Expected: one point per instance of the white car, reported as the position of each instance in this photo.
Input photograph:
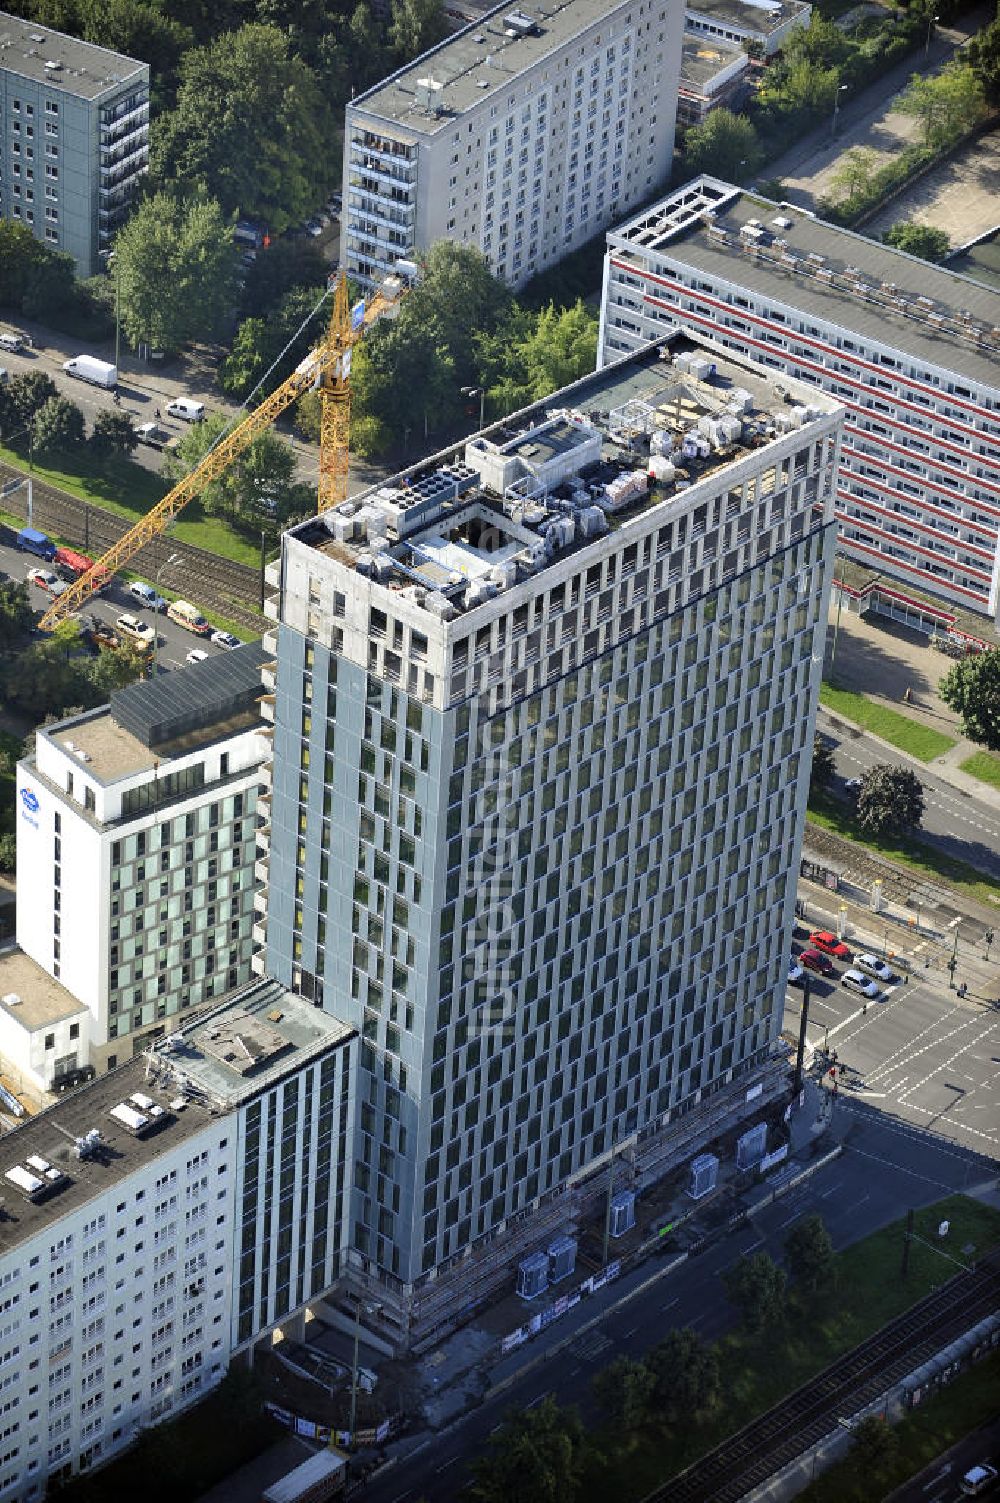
(978, 1479)
(196, 655)
(856, 982)
(795, 973)
(225, 639)
(875, 967)
(135, 630)
(46, 580)
(147, 595)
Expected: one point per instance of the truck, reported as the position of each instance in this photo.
(322, 1476)
(97, 372)
(70, 565)
(30, 540)
(188, 616)
(155, 436)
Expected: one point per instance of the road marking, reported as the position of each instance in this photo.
(789, 1219)
(445, 1464)
(671, 1303)
(400, 1496)
(537, 1401)
(754, 1246)
(627, 1334)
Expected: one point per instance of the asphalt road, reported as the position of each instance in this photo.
(939, 1482)
(958, 823)
(886, 1169)
(174, 643)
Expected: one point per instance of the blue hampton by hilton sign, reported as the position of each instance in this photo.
(29, 805)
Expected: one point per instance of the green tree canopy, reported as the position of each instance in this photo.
(890, 800)
(16, 615)
(282, 267)
(139, 30)
(687, 1375)
(258, 342)
(624, 1390)
(947, 103)
(28, 394)
(114, 433)
(531, 355)
(725, 145)
(535, 1457)
(923, 240)
(983, 54)
(822, 769)
(809, 1251)
(176, 271)
(252, 128)
(875, 1442)
(402, 376)
(972, 688)
(756, 1286)
(416, 26)
(58, 426)
(263, 473)
(854, 172)
(457, 293)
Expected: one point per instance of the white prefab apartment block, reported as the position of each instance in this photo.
(542, 740)
(524, 135)
(912, 351)
(74, 138)
(159, 1221)
(136, 844)
(759, 26)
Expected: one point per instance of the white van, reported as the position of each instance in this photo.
(12, 342)
(183, 407)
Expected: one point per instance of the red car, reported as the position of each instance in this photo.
(814, 961)
(829, 944)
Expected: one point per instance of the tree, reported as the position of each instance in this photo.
(29, 394)
(535, 1457)
(854, 175)
(252, 128)
(624, 1390)
(176, 271)
(456, 293)
(16, 616)
(922, 240)
(114, 433)
(822, 770)
(284, 265)
(286, 332)
(116, 669)
(402, 376)
(972, 687)
(890, 800)
(809, 1251)
(58, 426)
(416, 26)
(139, 30)
(875, 1442)
(8, 853)
(756, 1286)
(725, 145)
(947, 104)
(265, 470)
(687, 1377)
(983, 54)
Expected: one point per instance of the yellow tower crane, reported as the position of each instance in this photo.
(329, 367)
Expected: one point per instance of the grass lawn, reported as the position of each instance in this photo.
(971, 1401)
(128, 489)
(984, 766)
(920, 741)
(760, 1370)
(926, 861)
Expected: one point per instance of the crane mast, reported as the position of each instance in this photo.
(327, 366)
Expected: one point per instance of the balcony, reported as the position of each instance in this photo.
(260, 934)
(272, 576)
(260, 897)
(269, 641)
(271, 608)
(267, 708)
(257, 965)
(267, 676)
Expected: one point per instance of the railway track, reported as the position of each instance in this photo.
(776, 1438)
(217, 584)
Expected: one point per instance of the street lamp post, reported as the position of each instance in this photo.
(480, 392)
(931, 22)
(369, 1309)
(15, 485)
(111, 259)
(841, 89)
(167, 563)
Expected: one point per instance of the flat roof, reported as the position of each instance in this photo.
(87, 71)
(257, 1036)
(137, 1108)
(703, 58)
(478, 62)
(744, 15)
(553, 478)
(981, 261)
(873, 280)
(153, 721)
(41, 999)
